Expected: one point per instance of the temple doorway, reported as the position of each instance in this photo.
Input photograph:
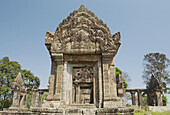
(83, 85)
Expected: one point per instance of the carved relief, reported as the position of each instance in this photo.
(82, 75)
(83, 30)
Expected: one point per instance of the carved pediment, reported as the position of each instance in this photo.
(18, 83)
(154, 83)
(82, 32)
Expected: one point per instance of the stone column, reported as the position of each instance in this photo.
(106, 79)
(133, 97)
(64, 83)
(40, 99)
(73, 94)
(100, 85)
(139, 98)
(16, 99)
(158, 98)
(78, 95)
(59, 75)
(93, 89)
(109, 81)
(112, 77)
(51, 81)
(33, 98)
(23, 102)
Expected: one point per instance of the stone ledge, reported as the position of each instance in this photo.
(70, 111)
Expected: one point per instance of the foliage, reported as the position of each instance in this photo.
(44, 96)
(164, 100)
(157, 63)
(8, 72)
(125, 83)
(118, 73)
(151, 113)
(126, 76)
(29, 99)
(144, 99)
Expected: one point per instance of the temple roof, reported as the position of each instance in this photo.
(82, 30)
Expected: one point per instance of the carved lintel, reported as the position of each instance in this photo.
(57, 57)
(107, 57)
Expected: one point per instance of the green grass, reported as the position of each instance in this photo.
(151, 113)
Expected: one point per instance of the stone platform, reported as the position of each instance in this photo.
(69, 111)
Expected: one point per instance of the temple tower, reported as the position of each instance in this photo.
(82, 51)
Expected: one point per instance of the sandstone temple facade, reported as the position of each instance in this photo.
(82, 51)
(82, 79)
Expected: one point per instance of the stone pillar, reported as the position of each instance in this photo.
(78, 95)
(112, 77)
(109, 81)
(59, 75)
(40, 99)
(139, 98)
(51, 81)
(94, 87)
(16, 99)
(158, 98)
(106, 79)
(33, 98)
(133, 97)
(23, 102)
(100, 85)
(64, 84)
(73, 94)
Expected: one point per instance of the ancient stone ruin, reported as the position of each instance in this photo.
(153, 92)
(19, 93)
(82, 80)
(82, 51)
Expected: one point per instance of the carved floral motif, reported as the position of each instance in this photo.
(82, 74)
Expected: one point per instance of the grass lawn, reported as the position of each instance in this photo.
(151, 113)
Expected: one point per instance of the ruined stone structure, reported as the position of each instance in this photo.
(82, 80)
(19, 93)
(139, 96)
(120, 88)
(153, 92)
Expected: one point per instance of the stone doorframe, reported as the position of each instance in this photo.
(93, 61)
(95, 81)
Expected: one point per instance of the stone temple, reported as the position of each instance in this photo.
(82, 51)
(82, 79)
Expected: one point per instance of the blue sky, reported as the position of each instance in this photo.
(144, 26)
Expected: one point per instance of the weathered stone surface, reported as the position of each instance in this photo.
(17, 88)
(71, 111)
(82, 32)
(82, 52)
(153, 84)
(154, 91)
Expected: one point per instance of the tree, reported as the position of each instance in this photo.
(126, 78)
(8, 72)
(156, 63)
(124, 75)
